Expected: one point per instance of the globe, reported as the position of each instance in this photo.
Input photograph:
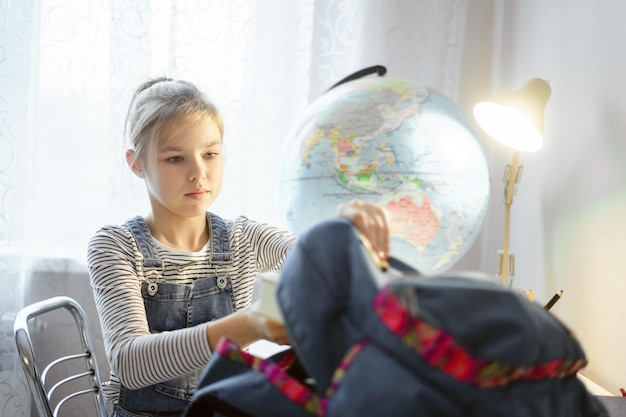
(397, 143)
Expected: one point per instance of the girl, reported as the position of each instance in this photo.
(169, 285)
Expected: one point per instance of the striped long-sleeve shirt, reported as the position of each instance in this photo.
(115, 267)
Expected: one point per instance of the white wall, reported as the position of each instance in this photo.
(568, 217)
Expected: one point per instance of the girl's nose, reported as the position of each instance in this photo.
(196, 171)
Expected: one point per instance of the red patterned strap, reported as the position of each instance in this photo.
(288, 385)
(343, 367)
(440, 350)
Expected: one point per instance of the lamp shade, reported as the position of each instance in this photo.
(516, 119)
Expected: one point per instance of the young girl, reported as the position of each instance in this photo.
(169, 285)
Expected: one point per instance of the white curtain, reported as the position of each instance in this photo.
(68, 69)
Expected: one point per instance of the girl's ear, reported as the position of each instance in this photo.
(134, 165)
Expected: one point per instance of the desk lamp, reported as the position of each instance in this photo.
(516, 120)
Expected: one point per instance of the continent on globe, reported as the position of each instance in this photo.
(418, 224)
(399, 144)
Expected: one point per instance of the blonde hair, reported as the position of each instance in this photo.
(162, 104)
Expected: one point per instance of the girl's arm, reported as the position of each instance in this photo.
(136, 357)
(244, 327)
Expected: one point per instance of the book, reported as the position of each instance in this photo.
(267, 303)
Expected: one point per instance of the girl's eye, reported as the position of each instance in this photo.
(175, 159)
(210, 154)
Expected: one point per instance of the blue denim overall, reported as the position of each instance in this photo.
(175, 306)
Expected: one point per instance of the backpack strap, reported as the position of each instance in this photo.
(440, 349)
(236, 383)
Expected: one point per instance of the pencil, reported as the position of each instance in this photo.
(553, 300)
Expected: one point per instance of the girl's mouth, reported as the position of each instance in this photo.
(198, 195)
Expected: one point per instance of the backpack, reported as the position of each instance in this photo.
(396, 343)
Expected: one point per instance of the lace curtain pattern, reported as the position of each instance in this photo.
(68, 69)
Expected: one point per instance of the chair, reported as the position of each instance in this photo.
(82, 379)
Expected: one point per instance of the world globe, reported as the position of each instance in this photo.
(397, 143)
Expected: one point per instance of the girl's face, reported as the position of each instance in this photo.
(183, 173)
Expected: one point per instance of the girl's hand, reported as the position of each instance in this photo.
(275, 332)
(268, 329)
(371, 221)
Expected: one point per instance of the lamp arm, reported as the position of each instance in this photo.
(511, 177)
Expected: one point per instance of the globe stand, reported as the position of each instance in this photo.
(506, 259)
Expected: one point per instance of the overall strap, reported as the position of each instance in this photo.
(220, 244)
(138, 227)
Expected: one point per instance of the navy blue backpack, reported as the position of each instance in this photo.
(373, 343)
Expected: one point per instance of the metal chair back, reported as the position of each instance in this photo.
(84, 379)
